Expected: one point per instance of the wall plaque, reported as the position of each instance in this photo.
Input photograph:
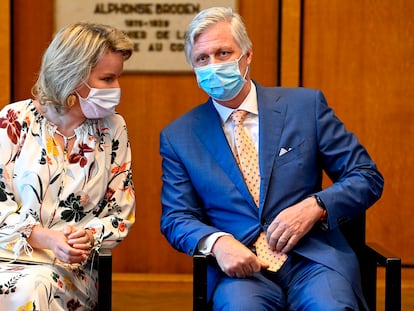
(157, 28)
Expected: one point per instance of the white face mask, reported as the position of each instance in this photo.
(100, 103)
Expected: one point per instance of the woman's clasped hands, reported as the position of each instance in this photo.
(71, 245)
(80, 242)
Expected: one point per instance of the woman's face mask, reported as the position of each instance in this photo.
(100, 103)
(221, 81)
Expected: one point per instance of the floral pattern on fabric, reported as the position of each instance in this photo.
(40, 184)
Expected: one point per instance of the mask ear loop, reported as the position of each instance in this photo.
(240, 57)
(245, 73)
(247, 68)
(89, 87)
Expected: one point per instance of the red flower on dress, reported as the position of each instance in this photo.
(13, 126)
(119, 169)
(80, 157)
(109, 193)
(122, 226)
(73, 305)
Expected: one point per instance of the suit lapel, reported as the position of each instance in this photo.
(210, 132)
(271, 123)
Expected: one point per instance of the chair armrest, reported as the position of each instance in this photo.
(374, 254)
(382, 255)
(104, 280)
(392, 265)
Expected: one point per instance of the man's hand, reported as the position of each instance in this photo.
(235, 259)
(292, 224)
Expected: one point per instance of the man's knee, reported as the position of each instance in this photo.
(256, 293)
(326, 291)
(240, 304)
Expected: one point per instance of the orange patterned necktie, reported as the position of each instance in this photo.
(248, 161)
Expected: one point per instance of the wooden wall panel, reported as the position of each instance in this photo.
(290, 49)
(149, 102)
(360, 53)
(32, 31)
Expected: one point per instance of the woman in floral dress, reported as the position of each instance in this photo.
(65, 173)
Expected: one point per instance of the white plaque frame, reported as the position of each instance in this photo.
(157, 28)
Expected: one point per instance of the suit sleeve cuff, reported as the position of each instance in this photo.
(206, 244)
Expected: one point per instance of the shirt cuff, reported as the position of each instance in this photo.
(206, 244)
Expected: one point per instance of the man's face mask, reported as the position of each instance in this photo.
(222, 81)
(100, 103)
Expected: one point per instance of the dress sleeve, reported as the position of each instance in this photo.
(14, 227)
(116, 213)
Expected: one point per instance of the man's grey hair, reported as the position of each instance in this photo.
(212, 16)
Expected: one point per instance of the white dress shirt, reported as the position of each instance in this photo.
(251, 126)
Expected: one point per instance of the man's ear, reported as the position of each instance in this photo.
(249, 57)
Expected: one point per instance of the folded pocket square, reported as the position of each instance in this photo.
(283, 151)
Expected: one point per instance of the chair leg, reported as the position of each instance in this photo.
(105, 281)
(393, 284)
(368, 266)
(199, 283)
(392, 266)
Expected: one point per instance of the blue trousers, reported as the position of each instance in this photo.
(300, 284)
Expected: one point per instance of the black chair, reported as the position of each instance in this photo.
(370, 256)
(104, 263)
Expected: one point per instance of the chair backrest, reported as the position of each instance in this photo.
(354, 232)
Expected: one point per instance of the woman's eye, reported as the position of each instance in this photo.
(108, 79)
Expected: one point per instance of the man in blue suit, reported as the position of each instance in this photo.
(206, 204)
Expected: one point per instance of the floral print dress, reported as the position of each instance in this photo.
(40, 184)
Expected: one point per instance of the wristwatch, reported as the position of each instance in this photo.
(321, 205)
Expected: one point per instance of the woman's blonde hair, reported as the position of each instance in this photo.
(70, 57)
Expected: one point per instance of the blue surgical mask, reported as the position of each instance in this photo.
(221, 81)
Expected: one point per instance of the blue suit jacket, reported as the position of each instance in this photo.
(204, 192)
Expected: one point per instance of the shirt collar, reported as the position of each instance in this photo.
(249, 104)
